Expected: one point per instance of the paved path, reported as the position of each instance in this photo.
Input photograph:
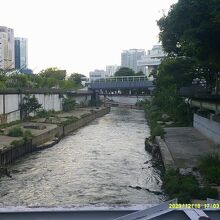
(186, 145)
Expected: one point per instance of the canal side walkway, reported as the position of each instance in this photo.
(183, 146)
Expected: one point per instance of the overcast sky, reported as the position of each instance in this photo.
(82, 35)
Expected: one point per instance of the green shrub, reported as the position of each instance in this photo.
(17, 143)
(185, 187)
(157, 131)
(27, 136)
(208, 192)
(10, 124)
(46, 114)
(69, 104)
(15, 132)
(209, 166)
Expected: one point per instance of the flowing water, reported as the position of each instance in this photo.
(101, 164)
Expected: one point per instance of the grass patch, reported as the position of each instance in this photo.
(70, 120)
(15, 132)
(46, 114)
(10, 124)
(185, 187)
(209, 166)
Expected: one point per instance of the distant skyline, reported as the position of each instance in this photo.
(83, 35)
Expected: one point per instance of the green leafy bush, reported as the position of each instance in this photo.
(46, 114)
(15, 132)
(208, 192)
(209, 166)
(17, 143)
(27, 136)
(185, 187)
(10, 124)
(69, 104)
(157, 131)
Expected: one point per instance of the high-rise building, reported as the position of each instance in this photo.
(153, 59)
(130, 57)
(96, 74)
(6, 48)
(111, 69)
(21, 53)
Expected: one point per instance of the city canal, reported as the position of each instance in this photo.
(101, 164)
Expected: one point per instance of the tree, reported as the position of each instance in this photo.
(76, 77)
(53, 72)
(16, 81)
(29, 105)
(139, 73)
(192, 29)
(125, 71)
(178, 71)
(173, 73)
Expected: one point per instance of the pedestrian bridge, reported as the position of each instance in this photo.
(122, 82)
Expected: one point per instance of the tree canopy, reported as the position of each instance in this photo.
(76, 77)
(125, 71)
(53, 72)
(192, 29)
(46, 79)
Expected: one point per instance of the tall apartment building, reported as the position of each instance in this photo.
(130, 57)
(153, 59)
(21, 53)
(111, 69)
(7, 58)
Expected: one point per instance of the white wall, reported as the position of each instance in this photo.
(83, 99)
(210, 129)
(48, 102)
(12, 102)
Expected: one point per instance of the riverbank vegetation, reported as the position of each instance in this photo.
(50, 78)
(193, 61)
(186, 187)
(209, 166)
(193, 56)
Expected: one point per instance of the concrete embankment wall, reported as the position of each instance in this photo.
(12, 153)
(210, 129)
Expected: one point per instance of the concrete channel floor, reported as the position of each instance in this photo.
(187, 145)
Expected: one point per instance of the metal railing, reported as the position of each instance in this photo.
(122, 79)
